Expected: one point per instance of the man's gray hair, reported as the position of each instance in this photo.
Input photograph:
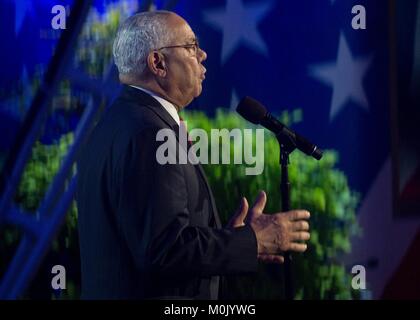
(136, 37)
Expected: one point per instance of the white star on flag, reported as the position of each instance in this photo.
(238, 22)
(345, 76)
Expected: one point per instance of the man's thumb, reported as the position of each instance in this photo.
(259, 203)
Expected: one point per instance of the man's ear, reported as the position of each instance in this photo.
(156, 63)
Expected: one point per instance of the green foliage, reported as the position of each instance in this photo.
(36, 178)
(316, 186)
(40, 170)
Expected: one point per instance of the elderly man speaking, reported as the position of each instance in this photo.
(152, 231)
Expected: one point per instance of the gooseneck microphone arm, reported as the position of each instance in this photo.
(287, 135)
(255, 112)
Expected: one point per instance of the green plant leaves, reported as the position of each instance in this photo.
(316, 186)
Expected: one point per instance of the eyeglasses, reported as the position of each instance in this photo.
(191, 47)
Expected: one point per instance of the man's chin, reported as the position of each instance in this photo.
(199, 90)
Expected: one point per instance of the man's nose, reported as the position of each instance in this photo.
(202, 55)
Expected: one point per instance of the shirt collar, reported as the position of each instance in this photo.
(169, 107)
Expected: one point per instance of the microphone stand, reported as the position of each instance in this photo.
(287, 146)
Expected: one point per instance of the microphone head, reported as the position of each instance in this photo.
(251, 110)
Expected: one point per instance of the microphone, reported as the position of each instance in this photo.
(253, 111)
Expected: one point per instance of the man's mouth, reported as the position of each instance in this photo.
(202, 77)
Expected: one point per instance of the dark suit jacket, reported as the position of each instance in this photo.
(149, 230)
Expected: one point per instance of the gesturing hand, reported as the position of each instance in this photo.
(278, 232)
(275, 233)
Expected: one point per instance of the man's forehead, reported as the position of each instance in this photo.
(186, 35)
(180, 28)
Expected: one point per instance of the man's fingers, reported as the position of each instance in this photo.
(300, 236)
(298, 247)
(298, 214)
(268, 258)
(259, 203)
(301, 225)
